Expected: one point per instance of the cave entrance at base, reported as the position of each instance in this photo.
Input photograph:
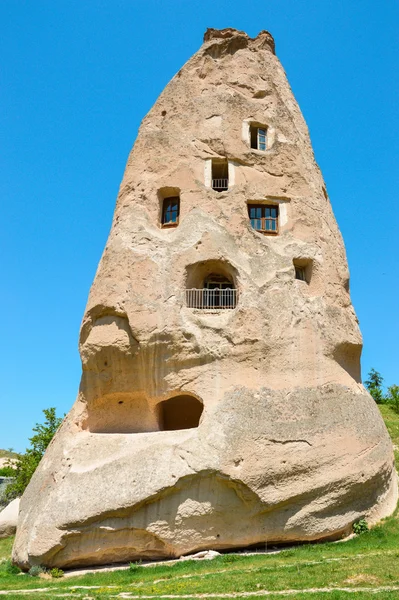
(180, 412)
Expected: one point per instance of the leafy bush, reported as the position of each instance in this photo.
(36, 570)
(26, 464)
(11, 569)
(56, 572)
(393, 397)
(7, 472)
(360, 526)
(133, 567)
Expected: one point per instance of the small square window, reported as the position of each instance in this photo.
(170, 212)
(303, 269)
(258, 137)
(264, 218)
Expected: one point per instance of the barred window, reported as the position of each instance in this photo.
(220, 175)
(217, 292)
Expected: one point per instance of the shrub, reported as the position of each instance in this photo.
(56, 572)
(11, 569)
(360, 526)
(393, 397)
(36, 570)
(7, 472)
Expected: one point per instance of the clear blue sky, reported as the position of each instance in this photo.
(77, 77)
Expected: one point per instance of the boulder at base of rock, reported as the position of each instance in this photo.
(9, 519)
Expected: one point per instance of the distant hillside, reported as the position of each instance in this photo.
(8, 454)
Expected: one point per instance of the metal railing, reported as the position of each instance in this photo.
(211, 299)
(220, 185)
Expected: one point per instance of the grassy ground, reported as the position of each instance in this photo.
(365, 567)
(391, 419)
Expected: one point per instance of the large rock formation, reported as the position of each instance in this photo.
(232, 414)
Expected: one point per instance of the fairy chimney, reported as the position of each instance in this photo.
(221, 403)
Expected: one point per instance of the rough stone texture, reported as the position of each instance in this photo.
(290, 446)
(9, 519)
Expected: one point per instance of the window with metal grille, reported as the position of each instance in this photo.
(258, 137)
(263, 217)
(220, 175)
(218, 292)
(170, 212)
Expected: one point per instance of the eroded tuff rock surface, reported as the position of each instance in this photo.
(230, 417)
(9, 519)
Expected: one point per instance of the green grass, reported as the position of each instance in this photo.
(5, 548)
(367, 562)
(391, 419)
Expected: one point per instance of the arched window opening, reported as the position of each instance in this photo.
(180, 412)
(210, 285)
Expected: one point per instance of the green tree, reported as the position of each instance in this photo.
(26, 464)
(374, 386)
(393, 397)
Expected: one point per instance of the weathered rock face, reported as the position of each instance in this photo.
(9, 519)
(233, 414)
